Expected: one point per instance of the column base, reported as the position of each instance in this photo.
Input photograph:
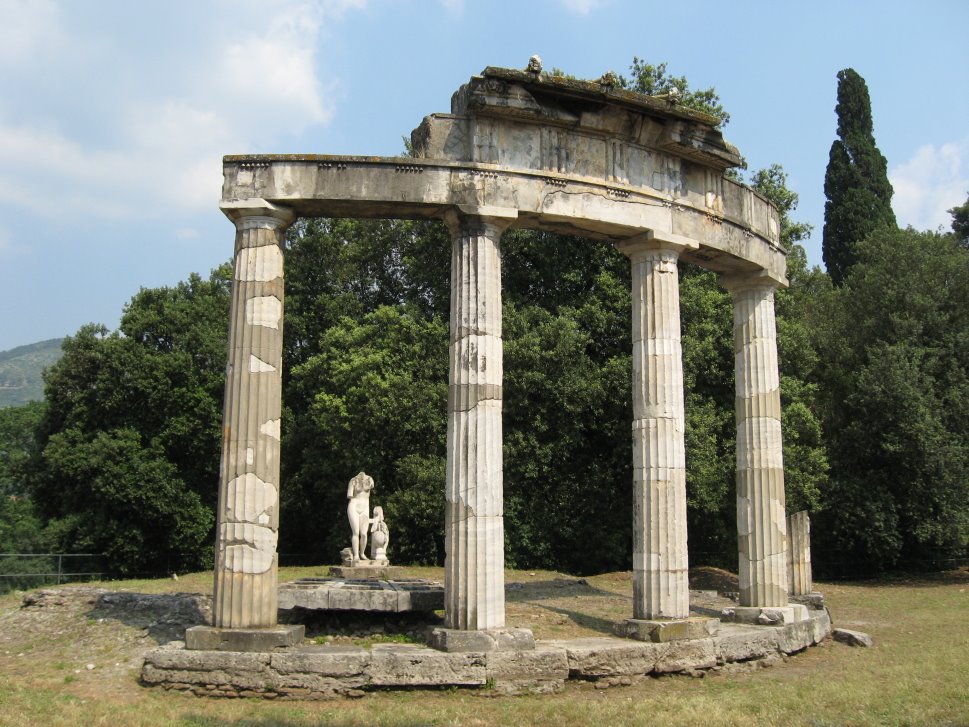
(483, 640)
(766, 615)
(664, 630)
(210, 638)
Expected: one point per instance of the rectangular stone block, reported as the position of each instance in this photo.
(196, 660)
(219, 668)
(795, 636)
(538, 671)
(539, 663)
(743, 644)
(821, 625)
(420, 599)
(453, 640)
(661, 631)
(363, 599)
(314, 598)
(685, 655)
(210, 638)
(603, 656)
(404, 665)
(329, 661)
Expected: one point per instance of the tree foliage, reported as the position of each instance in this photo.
(21, 530)
(894, 344)
(859, 195)
(960, 222)
(128, 448)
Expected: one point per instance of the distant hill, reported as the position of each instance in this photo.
(21, 369)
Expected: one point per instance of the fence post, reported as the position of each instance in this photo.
(59, 557)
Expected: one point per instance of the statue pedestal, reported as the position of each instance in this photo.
(360, 572)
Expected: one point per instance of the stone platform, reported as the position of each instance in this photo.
(320, 672)
(342, 594)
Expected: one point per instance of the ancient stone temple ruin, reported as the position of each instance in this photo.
(522, 149)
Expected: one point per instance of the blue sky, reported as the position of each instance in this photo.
(114, 115)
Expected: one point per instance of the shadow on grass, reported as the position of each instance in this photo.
(163, 616)
(536, 593)
(585, 620)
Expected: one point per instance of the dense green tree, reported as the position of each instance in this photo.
(21, 530)
(960, 222)
(859, 195)
(375, 399)
(567, 402)
(894, 344)
(127, 452)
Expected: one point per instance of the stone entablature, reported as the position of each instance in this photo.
(570, 156)
(742, 239)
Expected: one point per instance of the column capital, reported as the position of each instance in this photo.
(251, 213)
(654, 240)
(737, 282)
(498, 218)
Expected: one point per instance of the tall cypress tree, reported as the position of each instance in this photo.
(859, 195)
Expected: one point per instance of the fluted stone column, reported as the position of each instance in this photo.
(761, 520)
(660, 560)
(474, 581)
(248, 510)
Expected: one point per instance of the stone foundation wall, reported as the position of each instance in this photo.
(322, 672)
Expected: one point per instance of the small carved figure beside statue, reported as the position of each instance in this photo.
(361, 523)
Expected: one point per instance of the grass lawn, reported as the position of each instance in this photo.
(917, 674)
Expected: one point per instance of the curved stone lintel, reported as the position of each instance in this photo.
(741, 237)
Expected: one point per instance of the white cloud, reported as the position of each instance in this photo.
(28, 29)
(582, 7)
(931, 182)
(150, 142)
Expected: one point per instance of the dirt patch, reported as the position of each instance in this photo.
(93, 639)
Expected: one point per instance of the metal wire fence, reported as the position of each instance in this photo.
(31, 570)
(21, 571)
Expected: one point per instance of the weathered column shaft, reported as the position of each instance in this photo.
(474, 527)
(761, 520)
(660, 559)
(248, 510)
(799, 554)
